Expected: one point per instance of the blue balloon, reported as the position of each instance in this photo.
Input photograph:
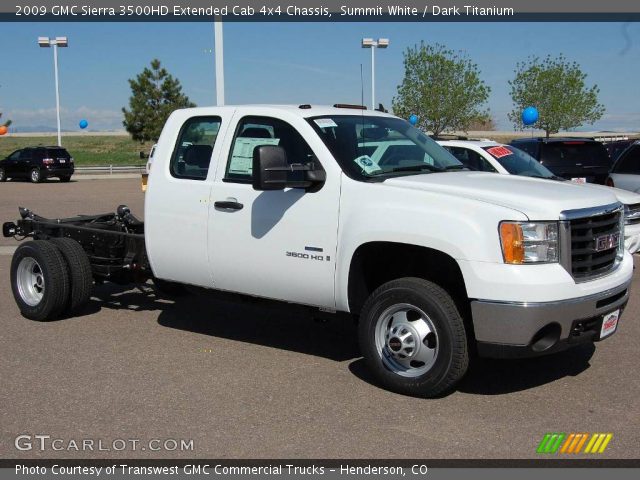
(413, 119)
(83, 124)
(530, 115)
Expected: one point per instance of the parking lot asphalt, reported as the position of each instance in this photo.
(270, 381)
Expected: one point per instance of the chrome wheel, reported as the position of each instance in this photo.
(30, 281)
(35, 176)
(2, 175)
(406, 340)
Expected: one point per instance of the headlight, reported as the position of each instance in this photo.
(529, 242)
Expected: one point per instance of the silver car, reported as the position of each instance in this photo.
(625, 173)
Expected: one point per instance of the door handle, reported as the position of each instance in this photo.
(228, 205)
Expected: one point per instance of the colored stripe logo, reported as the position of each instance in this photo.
(572, 443)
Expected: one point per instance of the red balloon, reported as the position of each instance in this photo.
(3, 130)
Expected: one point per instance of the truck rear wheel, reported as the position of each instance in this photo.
(413, 338)
(80, 273)
(39, 280)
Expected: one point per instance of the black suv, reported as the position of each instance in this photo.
(37, 163)
(577, 159)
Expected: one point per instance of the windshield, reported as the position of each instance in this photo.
(368, 147)
(518, 162)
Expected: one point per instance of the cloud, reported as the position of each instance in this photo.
(99, 119)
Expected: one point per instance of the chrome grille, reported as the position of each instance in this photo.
(595, 244)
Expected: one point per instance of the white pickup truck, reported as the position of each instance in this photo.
(288, 203)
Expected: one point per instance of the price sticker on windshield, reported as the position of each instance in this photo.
(367, 164)
(499, 152)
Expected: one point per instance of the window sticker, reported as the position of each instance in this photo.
(499, 152)
(325, 123)
(367, 164)
(242, 157)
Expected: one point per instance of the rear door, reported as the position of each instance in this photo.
(59, 156)
(26, 162)
(275, 244)
(626, 172)
(177, 198)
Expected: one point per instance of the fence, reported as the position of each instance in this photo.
(111, 169)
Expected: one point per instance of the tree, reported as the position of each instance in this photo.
(556, 87)
(154, 95)
(442, 87)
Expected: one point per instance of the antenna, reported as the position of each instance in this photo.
(361, 87)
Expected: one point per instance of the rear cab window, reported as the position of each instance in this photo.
(192, 153)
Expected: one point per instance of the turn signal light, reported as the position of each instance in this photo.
(512, 242)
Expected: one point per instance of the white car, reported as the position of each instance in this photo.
(490, 156)
(625, 173)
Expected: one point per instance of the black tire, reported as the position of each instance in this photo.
(168, 288)
(65, 179)
(3, 175)
(35, 176)
(80, 274)
(451, 358)
(52, 268)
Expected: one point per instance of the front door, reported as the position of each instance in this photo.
(275, 244)
(11, 166)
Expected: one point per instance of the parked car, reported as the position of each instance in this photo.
(489, 156)
(625, 172)
(37, 164)
(616, 147)
(578, 159)
(284, 203)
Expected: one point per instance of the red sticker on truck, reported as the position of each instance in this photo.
(499, 152)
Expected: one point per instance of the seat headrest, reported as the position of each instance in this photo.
(198, 155)
(255, 132)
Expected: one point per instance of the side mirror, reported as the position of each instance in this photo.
(269, 168)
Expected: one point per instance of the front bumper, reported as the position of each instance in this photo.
(520, 329)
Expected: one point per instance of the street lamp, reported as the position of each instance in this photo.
(219, 59)
(46, 42)
(373, 44)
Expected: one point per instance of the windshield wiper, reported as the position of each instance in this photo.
(455, 167)
(418, 168)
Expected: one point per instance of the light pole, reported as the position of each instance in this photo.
(46, 42)
(373, 44)
(219, 59)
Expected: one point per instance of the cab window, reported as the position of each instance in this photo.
(192, 153)
(471, 159)
(630, 162)
(253, 132)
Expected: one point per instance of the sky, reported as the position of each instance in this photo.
(295, 63)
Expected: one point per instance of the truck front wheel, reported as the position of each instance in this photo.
(413, 338)
(39, 280)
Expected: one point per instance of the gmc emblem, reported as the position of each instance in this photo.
(607, 242)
